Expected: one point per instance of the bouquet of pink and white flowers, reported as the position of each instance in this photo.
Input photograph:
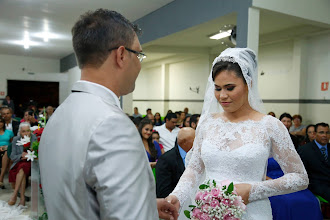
(216, 203)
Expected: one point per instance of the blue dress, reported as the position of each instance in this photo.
(301, 205)
(159, 153)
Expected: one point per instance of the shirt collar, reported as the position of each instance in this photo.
(98, 90)
(182, 153)
(319, 145)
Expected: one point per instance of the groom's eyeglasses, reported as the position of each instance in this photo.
(141, 56)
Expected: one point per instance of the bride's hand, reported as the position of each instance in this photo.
(243, 190)
(173, 200)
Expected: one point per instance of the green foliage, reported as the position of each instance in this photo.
(204, 186)
(187, 214)
(35, 147)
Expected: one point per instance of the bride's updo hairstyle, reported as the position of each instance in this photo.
(243, 62)
(229, 66)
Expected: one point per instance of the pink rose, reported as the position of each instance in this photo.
(199, 196)
(206, 197)
(204, 216)
(215, 192)
(196, 213)
(215, 203)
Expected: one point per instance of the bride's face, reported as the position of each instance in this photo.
(231, 91)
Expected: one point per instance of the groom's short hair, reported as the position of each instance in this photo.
(98, 31)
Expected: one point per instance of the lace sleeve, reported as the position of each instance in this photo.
(193, 171)
(295, 176)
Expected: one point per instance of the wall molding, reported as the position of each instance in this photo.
(279, 101)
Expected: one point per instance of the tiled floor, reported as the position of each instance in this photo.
(4, 197)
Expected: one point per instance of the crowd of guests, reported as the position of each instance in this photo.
(12, 154)
(168, 141)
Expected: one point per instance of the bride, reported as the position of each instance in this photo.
(234, 139)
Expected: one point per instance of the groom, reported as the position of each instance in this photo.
(92, 161)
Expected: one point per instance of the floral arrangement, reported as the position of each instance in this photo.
(26, 143)
(216, 203)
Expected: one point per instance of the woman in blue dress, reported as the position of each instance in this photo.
(6, 137)
(152, 147)
(301, 205)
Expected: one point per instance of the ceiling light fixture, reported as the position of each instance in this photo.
(46, 31)
(225, 31)
(221, 34)
(26, 41)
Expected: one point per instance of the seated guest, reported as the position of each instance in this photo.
(314, 155)
(152, 148)
(136, 113)
(11, 124)
(194, 120)
(168, 131)
(148, 111)
(32, 118)
(272, 114)
(6, 137)
(286, 119)
(20, 168)
(310, 135)
(158, 119)
(49, 112)
(151, 117)
(181, 119)
(155, 137)
(171, 165)
(25, 117)
(186, 122)
(301, 205)
(297, 129)
(186, 110)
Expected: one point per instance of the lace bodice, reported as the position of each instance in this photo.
(239, 152)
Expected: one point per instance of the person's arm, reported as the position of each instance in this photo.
(295, 177)
(16, 154)
(117, 170)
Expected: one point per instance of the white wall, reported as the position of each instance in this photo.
(172, 82)
(293, 70)
(43, 69)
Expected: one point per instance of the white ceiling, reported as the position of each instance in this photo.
(18, 16)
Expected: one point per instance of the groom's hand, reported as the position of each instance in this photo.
(243, 190)
(166, 210)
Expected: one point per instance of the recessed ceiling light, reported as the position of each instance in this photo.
(220, 35)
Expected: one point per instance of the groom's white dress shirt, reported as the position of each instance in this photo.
(92, 161)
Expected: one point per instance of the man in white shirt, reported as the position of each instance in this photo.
(168, 131)
(94, 166)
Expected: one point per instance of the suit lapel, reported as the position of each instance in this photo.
(179, 159)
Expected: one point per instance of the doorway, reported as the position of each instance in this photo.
(27, 93)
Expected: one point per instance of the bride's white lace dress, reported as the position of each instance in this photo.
(238, 152)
